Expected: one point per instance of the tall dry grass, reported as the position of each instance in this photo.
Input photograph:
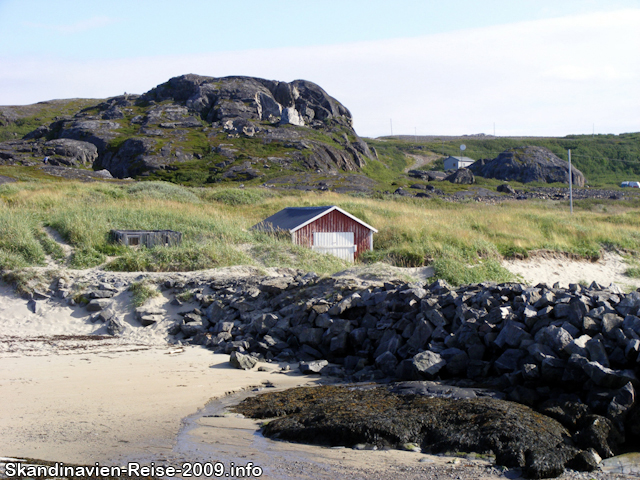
(464, 242)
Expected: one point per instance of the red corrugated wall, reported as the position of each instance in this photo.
(334, 222)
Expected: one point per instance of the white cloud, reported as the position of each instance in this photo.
(582, 73)
(547, 77)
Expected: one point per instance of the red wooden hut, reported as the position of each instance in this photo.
(325, 229)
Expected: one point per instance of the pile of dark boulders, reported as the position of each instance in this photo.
(569, 353)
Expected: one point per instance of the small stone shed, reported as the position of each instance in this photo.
(148, 238)
(326, 229)
(454, 163)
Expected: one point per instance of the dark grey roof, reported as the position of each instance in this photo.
(290, 218)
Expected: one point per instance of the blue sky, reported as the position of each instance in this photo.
(529, 67)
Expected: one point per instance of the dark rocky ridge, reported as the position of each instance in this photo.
(131, 135)
(528, 164)
(571, 354)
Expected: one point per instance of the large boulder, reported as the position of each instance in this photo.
(427, 364)
(463, 176)
(528, 164)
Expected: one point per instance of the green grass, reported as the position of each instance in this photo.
(162, 191)
(463, 242)
(141, 292)
(26, 174)
(271, 251)
(392, 163)
(186, 257)
(237, 196)
(633, 272)
(19, 245)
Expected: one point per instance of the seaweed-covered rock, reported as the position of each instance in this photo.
(600, 434)
(331, 415)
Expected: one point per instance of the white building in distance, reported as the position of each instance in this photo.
(454, 163)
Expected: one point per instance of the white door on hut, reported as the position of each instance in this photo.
(340, 244)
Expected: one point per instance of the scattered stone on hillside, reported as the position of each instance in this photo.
(105, 316)
(506, 188)
(428, 364)
(402, 192)
(135, 156)
(70, 152)
(429, 175)
(98, 294)
(4, 179)
(528, 164)
(41, 131)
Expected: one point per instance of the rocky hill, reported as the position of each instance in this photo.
(528, 164)
(224, 128)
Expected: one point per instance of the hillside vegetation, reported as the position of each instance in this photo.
(160, 136)
(605, 160)
(464, 242)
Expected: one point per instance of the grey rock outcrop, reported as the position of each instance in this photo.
(71, 152)
(132, 135)
(62, 151)
(528, 164)
(462, 176)
(255, 99)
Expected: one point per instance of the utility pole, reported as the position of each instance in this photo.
(570, 184)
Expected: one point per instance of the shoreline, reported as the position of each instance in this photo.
(128, 398)
(186, 423)
(86, 408)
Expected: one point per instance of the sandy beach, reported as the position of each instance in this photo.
(70, 394)
(551, 268)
